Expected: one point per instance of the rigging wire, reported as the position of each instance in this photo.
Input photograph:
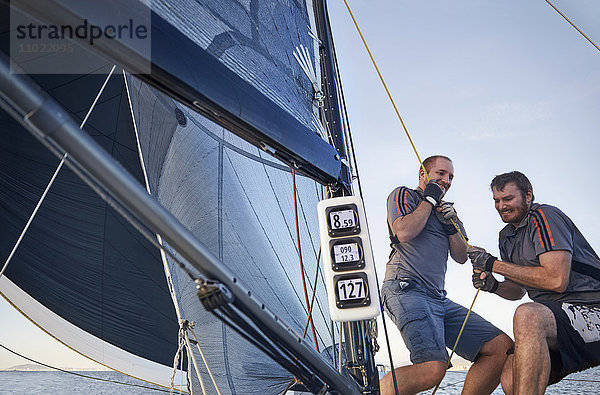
(353, 159)
(312, 301)
(53, 178)
(205, 362)
(275, 195)
(166, 268)
(263, 339)
(309, 318)
(572, 24)
(422, 167)
(302, 263)
(279, 260)
(83, 375)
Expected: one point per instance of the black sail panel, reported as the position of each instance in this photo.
(80, 258)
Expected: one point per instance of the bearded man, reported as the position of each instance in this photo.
(542, 252)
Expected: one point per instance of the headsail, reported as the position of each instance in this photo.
(235, 199)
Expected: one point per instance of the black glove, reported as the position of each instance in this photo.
(488, 284)
(446, 215)
(433, 193)
(481, 259)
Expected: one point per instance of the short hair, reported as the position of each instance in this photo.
(429, 162)
(520, 180)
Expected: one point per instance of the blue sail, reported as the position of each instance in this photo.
(82, 270)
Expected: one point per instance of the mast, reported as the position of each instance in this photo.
(360, 354)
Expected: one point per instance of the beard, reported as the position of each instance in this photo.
(516, 215)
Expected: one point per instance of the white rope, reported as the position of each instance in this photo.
(58, 168)
(340, 350)
(313, 35)
(303, 57)
(189, 347)
(319, 127)
(166, 268)
(204, 359)
(181, 343)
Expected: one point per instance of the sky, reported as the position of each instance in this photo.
(496, 85)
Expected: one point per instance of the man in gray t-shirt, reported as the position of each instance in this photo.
(422, 233)
(542, 252)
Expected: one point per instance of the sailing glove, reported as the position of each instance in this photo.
(487, 284)
(446, 215)
(481, 259)
(433, 193)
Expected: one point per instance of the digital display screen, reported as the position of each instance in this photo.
(346, 253)
(351, 289)
(343, 219)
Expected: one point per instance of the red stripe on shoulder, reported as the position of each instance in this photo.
(537, 226)
(547, 227)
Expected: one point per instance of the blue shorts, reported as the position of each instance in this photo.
(429, 323)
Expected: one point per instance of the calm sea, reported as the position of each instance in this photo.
(64, 383)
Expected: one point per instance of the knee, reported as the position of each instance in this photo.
(434, 374)
(498, 346)
(529, 319)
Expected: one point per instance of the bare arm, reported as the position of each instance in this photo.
(458, 248)
(552, 274)
(411, 225)
(510, 290)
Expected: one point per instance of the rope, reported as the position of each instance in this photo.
(572, 24)
(386, 88)
(420, 162)
(58, 168)
(82, 375)
(312, 300)
(458, 338)
(309, 318)
(176, 360)
(205, 363)
(340, 350)
(301, 263)
(193, 358)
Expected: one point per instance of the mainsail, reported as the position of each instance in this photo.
(90, 278)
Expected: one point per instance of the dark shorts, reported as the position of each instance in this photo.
(429, 323)
(578, 339)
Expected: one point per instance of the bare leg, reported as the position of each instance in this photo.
(507, 375)
(534, 327)
(484, 374)
(413, 378)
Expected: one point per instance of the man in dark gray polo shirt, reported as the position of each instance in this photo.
(413, 293)
(542, 252)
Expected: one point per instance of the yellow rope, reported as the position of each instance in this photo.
(418, 157)
(386, 88)
(572, 24)
(458, 337)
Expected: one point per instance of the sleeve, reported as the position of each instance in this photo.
(552, 230)
(402, 201)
